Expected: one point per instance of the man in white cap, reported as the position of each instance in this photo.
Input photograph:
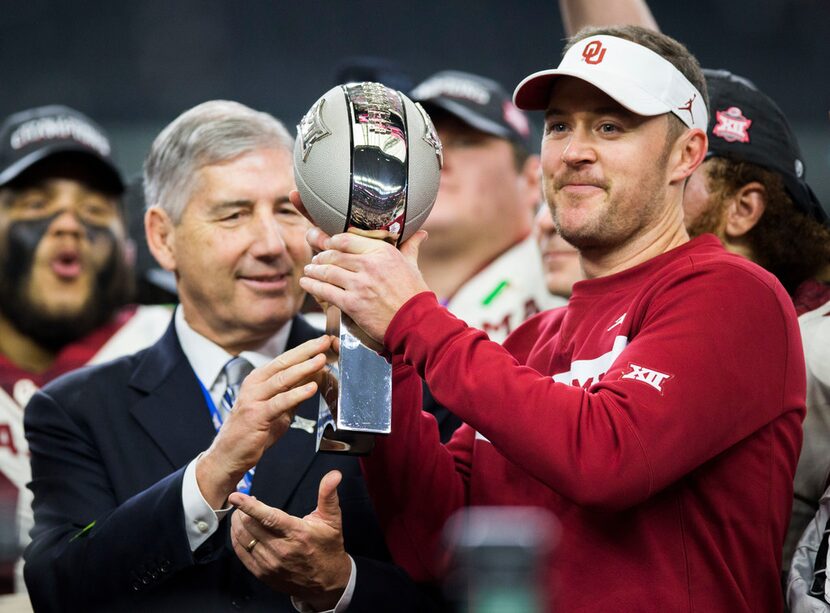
(752, 193)
(658, 415)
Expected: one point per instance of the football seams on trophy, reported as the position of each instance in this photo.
(367, 160)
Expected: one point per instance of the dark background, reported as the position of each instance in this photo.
(134, 66)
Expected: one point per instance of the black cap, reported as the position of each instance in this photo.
(33, 135)
(746, 125)
(479, 102)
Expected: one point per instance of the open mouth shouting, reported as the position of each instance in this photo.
(67, 265)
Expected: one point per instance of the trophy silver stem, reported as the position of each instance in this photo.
(356, 395)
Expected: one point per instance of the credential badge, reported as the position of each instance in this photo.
(312, 128)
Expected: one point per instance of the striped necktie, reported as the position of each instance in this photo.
(235, 372)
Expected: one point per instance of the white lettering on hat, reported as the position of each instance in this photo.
(61, 127)
(453, 87)
(732, 126)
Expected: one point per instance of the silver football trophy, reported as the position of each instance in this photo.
(356, 394)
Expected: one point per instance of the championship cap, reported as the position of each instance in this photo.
(33, 135)
(479, 102)
(636, 77)
(748, 126)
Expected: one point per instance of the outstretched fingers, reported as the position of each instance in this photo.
(293, 357)
(282, 406)
(289, 369)
(293, 377)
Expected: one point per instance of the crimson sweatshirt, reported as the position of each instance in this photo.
(658, 416)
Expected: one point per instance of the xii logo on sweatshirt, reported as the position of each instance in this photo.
(651, 377)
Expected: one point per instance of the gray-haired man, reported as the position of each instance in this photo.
(134, 462)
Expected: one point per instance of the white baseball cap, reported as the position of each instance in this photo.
(638, 78)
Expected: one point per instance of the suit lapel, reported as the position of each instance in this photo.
(283, 467)
(172, 410)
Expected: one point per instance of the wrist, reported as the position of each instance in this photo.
(214, 481)
(329, 594)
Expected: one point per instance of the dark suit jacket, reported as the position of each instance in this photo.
(109, 445)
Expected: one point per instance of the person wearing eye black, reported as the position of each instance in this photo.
(65, 281)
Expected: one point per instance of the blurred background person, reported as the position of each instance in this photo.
(481, 259)
(753, 194)
(560, 259)
(65, 278)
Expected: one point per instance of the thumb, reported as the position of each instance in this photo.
(410, 248)
(328, 503)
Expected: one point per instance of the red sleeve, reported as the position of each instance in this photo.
(725, 336)
(416, 483)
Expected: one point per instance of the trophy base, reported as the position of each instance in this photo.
(346, 442)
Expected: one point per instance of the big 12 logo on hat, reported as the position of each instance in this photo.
(732, 126)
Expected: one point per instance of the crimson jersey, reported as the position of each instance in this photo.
(658, 416)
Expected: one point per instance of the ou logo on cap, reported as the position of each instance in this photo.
(594, 52)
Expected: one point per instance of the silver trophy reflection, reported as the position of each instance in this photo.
(356, 394)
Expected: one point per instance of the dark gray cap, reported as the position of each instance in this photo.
(479, 102)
